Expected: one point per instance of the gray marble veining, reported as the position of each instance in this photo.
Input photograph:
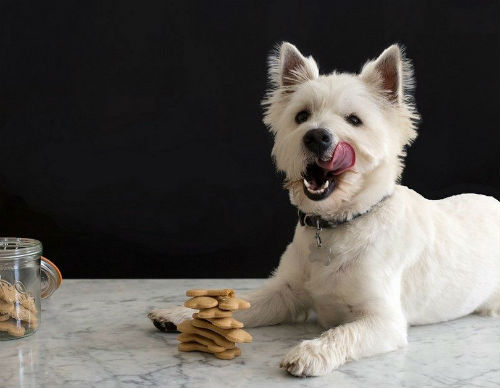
(94, 333)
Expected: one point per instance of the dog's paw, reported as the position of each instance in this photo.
(168, 319)
(309, 358)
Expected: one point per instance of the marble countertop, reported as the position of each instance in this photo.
(95, 333)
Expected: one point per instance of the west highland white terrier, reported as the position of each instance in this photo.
(369, 256)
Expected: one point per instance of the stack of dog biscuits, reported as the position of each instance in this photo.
(18, 311)
(213, 328)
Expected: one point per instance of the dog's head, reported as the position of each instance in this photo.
(339, 138)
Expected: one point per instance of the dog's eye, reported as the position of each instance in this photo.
(353, 120)
(302, 117)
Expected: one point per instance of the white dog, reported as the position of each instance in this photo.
(369, 256)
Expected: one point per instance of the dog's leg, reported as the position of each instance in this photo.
(365, 337)
(281, 299)
(276, 302)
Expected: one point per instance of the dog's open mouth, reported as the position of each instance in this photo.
(320, 177)
(318, 182)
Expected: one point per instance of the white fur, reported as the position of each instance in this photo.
(408, 261)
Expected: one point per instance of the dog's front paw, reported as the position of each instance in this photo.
(168, 319)
(309, 358)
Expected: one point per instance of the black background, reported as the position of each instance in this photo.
(131, 135)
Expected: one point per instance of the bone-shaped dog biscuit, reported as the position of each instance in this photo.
(214, 312)
(13, 329)
(187, 327)
(232, 303)
(200, 292)
(228, 354)
(201, 302)
(19, 312)
(223, 323)
(9, 294)
(27, 301)
(210, 344)
(234, 335)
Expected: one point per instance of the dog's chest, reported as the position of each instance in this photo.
(333, 287)
(331, 251)
(331, 296)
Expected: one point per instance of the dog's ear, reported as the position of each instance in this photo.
(391, 73)
(288, 67)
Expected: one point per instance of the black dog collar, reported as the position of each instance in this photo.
(315, 221)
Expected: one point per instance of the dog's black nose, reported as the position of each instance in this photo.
(318, 140)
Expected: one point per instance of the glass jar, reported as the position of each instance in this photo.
(25, 278)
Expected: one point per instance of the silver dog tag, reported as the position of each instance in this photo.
(316, 250)
(321, 254)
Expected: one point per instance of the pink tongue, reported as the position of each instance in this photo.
(343, 159)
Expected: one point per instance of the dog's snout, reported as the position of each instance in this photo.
(318, 140)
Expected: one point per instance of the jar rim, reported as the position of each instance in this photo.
(17, 247)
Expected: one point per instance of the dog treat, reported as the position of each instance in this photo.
(27, 301)
(187, 327)
(13, 329)
(223, 323)
(19, 312)
(201, 302)
(9, 294)
(211, 345)
(223, 292)
(228, 354)
(214, 312)
(213, 328)
(233, 335)
(232, 303)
